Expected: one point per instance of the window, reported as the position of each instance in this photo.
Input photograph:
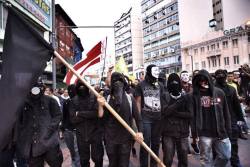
(202, 49)
(226, 61)
(207, 48)
(203, 64)
(218, 45)
(195, 51)
(213, 47)
(196, 66)
(236, 60)
(235, 43)
(225, 44)
(214, 62)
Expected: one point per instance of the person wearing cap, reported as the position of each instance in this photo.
(235, 112)
(148, 98)
(38, 124)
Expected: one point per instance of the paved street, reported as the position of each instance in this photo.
(244, 152)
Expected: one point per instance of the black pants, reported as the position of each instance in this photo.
(118, 154)
(6, 158)
(53, 157)
(151, 134)
(235, 160)
(96, 152)
(168, 146)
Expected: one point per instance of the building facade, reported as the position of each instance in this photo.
(128, 40)
(218, 50)
(161, 34)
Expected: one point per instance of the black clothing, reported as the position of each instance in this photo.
(222, 115)
(169, 145)
(208, 115)
(114, 132)
(53, 157)
(66, 122)
(233, 102)
(176, 115)
(84, 116)
(150, 100)
(118, 154)
(38, 126)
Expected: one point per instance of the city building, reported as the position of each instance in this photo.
(214, 34)
(218, 50)
(161, 34)
(128, 40)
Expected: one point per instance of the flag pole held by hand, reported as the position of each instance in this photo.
(111, 110)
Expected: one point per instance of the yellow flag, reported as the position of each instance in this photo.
(121, 67)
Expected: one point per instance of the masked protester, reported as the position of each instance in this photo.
(118, 140)
(38, 130)
(177, 112)
(148, 96)
(185, 82)
(84, 115)
(212, 122)
(235, 112)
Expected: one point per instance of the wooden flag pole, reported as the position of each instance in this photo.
(112, 111)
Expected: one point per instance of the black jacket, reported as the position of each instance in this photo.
(233, 102)
(115, 133)
(86, 121)
(222, 114)
(176, 115)
(38, 126)
(66, 122)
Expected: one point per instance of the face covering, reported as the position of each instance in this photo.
(35, 93)
(155, 72)
(117, 91)
(220, 78)
(83, 91)
(174, 88)
(184, 77)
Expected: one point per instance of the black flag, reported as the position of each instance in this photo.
(25, 54)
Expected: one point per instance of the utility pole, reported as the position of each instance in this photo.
(54, 43)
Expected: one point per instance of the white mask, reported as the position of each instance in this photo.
(35, 90)
(155, 72)
(185, 77)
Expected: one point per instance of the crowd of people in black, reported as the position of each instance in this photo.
(201, 112)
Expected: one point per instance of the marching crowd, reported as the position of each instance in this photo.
(201, 112)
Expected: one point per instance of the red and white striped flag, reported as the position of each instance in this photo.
(93, 57)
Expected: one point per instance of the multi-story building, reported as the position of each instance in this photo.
(223, 44)
(218, 51)
(161, 35)
(128, 40)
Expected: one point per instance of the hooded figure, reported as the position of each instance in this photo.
(174, 85)
(235, 112)
(83, 111)
(148, 97)
(117, 87)
(117, 138)
(212, 122)
(38, 129)
(177, 113)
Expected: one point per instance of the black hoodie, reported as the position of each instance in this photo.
(219, 104)
(176, 113)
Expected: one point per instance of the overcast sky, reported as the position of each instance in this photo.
(97, 13)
